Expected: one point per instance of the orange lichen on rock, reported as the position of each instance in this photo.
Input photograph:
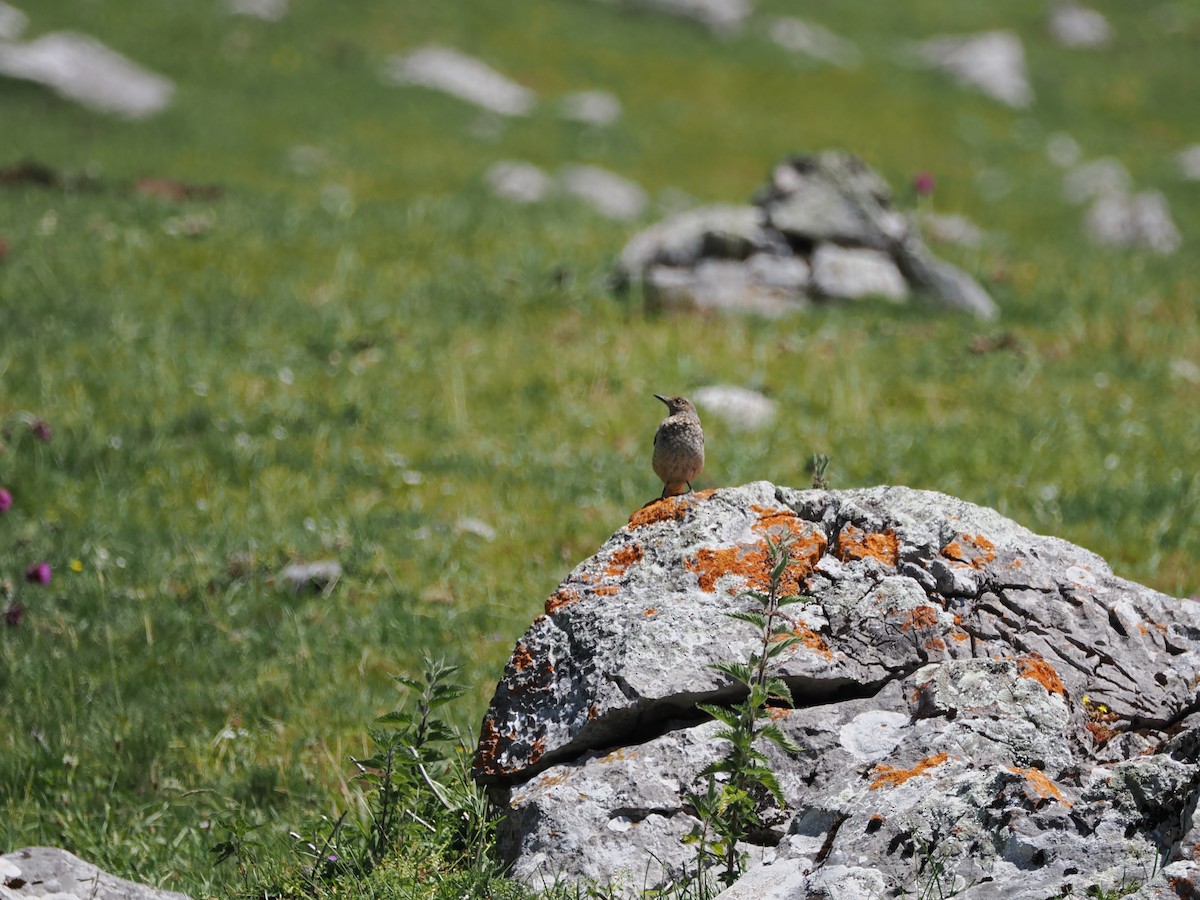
(667, 509)
(1041, 784)
(537, 749)
(812, 640)
(605, 590)
(560, 598)
(935, 643)
(489, 750)
(920, 618)
(973, 550)
(622, 559)
(854, 543)
(1043, 673)
(649, 612)
(522, 659)
(890, 776)
(751, 561)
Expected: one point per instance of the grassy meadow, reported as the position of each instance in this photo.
(349, 350)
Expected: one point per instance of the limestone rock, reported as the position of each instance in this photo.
(320, 575)
(1189, 162)
(814, 41)
(1141, 220)
(608, 193)
(1078, 26)
(81, 69)
(742, 409)
(53, 873)
(462, 76)
(591, 107)
(12, 22)
(267, 10)
(1096, 178)
(520, 182)
(822, 227)
(992, 62)
(976, 704)
(724, 17)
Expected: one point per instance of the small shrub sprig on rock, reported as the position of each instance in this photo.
(728, 808)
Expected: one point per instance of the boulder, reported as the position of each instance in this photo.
(992, 62)
(978, 707)
(823, 228)
(50, 872)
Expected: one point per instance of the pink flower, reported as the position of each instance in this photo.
(5, 500)
(38, 573)
(41, 430)
(924, 183)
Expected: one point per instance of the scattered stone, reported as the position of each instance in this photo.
(462, 76)
(819, 212)
(81, 69)
(190, 224)
(477, 527)
(267, 10)
(321, 575)
(1063, 150)
(53, 873)
(591, 107)
(1078, 26)
(851, 273)
(814, 41)
(520, 182)
(1103, 177)
(177, 191)
(724, 17)
(944, 228)
(1189, 163)
(1138, 220)
(306, 160)
(993, 62)
(12, 22)
(606, 192)
(979, 708)
(741, 408)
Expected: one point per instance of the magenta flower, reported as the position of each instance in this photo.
(38, 573)
(924, 183)
(5, 500)
(41, 430)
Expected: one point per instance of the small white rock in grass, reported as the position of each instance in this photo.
(314, 576)
(591, 107)
(814, 41)
(476, 527)
(1063, 150)
(462, 76)
(1078, 26)
(520, 182)
(951, 229)
(81, 69)
(606, 192)
(720, 16)
(1096, 178)
(267, 10)
(1189, 163)
(12, 22)
(993, 62)
(1139, 221)
(740, 408)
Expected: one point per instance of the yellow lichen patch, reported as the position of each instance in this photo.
(973, 550)
(560, 598)
(1043, 673)
(666, 510)
(622, 559)
(854, 543)
(890, 776)
(1041, 784)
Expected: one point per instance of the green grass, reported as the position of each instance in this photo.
(349, 362)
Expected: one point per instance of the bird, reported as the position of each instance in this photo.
(678, 447)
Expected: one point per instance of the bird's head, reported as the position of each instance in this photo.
(678, 405)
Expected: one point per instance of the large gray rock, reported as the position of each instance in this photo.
(81, 69)
(57, 874)
(979, 708)
(992, 62)
(822, 228)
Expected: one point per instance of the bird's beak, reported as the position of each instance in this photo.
(662, 398)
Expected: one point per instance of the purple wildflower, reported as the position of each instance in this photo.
(924, 183)
(38, 573)
(5, 500)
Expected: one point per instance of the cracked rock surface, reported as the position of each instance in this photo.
(979, 708)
